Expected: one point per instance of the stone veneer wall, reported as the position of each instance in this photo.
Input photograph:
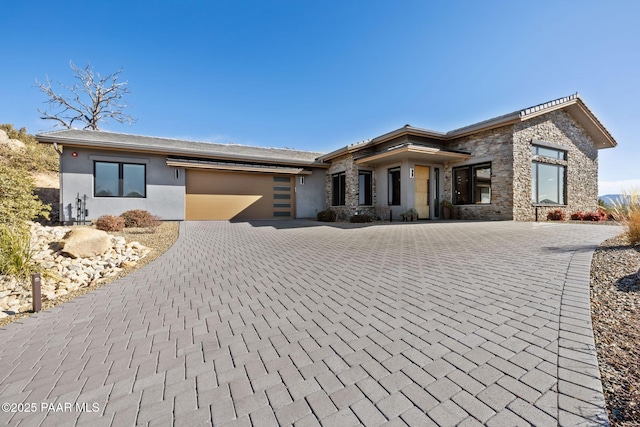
(494, 145)
(556, 127)
(347, 165)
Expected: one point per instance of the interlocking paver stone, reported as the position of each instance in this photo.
(301, 322)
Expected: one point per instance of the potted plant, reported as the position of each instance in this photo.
(411, 215)
(447, 208)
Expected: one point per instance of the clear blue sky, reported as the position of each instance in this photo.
(318, 75)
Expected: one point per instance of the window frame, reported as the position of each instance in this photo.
(121, 183)
(472, 183)
(390, 193)
(535, 201)
(340, 198)
(368, 190)
(560, 153)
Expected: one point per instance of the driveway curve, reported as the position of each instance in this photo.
(294, 322)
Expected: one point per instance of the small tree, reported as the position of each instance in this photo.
(91, 101)
(17, 201)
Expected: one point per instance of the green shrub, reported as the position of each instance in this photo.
(556, 215)
(627, 212)
(17, 201)
(327, 216)
(16, 255)
(362, 218)
(110, 223)
(140, 218)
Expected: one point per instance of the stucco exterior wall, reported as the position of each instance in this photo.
(165, 192)
(558, 128)
(310, 195)
(495, 146)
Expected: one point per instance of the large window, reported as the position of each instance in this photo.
(547, 184)
(338, 189)
(365, 188)
(472, 184)
(551, 153)
(119, 180)
(394, 187)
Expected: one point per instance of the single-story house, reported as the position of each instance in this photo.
(509, 167)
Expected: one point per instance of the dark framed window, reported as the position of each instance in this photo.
(472, 184)
(338, 189)
(548, 184)
(551, 153)
(365, 188)
(112, 179)
(394, 187)
(436, 199)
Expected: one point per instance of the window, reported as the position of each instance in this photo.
(436, 199)
(394, 187)
(472, 184)
(551, 153)
(338, 189)
(365, 188)
(547, 184)
(119, 180)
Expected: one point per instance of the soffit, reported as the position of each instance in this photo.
(429, 154)
(234, 167)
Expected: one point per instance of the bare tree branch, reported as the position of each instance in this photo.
(92, 101)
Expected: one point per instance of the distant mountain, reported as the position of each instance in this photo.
(610, 199)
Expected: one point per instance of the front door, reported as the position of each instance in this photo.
(422, 191)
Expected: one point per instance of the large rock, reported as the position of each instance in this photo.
(86, 242)
(13, 144)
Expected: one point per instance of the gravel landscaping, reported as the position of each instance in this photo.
(615, 308)
(157, 240)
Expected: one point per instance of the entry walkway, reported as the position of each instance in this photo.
(281, 323)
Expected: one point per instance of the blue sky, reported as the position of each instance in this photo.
(318, 75)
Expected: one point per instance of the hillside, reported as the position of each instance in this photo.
(610, 199)
(22, 152)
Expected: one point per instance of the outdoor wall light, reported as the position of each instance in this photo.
(74, 154)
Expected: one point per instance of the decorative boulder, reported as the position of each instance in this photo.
(86, 243)
(13, 144)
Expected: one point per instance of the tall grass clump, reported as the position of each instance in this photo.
(626, 210)
(18, 206)
(16, 254)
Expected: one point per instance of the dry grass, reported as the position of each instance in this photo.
(159, 240)
(627, 212)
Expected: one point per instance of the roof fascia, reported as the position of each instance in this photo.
(405, 130)
(485, 125)
(106, 145)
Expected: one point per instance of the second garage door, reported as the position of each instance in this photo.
(214, 195)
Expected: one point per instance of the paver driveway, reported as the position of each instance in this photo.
(251, 324)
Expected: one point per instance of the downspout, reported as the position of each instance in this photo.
(60, 204)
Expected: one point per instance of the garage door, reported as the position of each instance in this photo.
(214, 195)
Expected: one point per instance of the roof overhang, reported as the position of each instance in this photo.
(573, 104)
(171, 151)
(235, 167)
(406, 130)
(428, 154)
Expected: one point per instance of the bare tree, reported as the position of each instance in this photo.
(91, 101)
